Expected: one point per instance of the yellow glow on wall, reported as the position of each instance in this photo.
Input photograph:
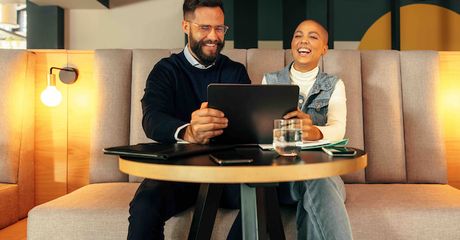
(449, 66)
(423, 27)
(62, 132)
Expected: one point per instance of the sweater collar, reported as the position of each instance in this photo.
(309, 76)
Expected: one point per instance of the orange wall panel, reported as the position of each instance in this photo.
(62, 132)
(450, 112)
(50, 135)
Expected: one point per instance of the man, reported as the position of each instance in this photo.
(175, 108)
(321, 212)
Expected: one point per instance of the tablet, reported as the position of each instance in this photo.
(251, 109)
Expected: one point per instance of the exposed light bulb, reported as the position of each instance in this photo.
(51, 96)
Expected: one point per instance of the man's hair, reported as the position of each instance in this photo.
(190, 6)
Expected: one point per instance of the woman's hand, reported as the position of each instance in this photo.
(309, 131)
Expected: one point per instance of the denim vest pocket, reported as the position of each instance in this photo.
(317, 110)
(318, 103)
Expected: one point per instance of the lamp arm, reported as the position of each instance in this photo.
(63, 69)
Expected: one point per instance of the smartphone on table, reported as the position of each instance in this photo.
(230, 157)
(339, 151)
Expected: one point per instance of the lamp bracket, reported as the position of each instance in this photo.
(67, 75)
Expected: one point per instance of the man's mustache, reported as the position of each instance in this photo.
(217, 42)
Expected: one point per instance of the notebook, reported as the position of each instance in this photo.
(164, 151)
(312, 144)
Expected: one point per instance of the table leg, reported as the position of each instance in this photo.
(260, 212)
(206, 207)
(274, 222)
(249, 212)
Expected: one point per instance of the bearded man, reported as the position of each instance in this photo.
(175, 109)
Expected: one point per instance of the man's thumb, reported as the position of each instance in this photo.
(204, 105)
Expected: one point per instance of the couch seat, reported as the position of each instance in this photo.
(377, 211)
(404, 211)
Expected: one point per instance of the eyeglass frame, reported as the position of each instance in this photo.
(203, 28)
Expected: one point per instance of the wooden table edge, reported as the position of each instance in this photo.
(242, 174)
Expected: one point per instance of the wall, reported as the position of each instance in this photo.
(357, 24)
(450, 112)
(62, 132)
(441, 31)
(352, 19)
(148, 24)
(45, 28)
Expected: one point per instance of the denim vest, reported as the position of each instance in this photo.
(317, 102)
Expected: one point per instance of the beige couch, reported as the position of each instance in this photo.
(16, 135)
(402, 194)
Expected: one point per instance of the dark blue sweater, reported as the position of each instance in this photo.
(175, 89)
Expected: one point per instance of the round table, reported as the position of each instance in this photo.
(256, 178)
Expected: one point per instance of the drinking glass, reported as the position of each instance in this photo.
(287, 136)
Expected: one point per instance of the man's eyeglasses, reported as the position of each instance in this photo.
(206, 29)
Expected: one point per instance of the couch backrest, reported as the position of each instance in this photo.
(17, 124)
(391, 105)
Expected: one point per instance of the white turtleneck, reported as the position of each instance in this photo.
(337, 110)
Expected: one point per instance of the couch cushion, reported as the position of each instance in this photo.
(100, 211)
(143, 62)
(8, 204)
(237, 55)
(425, 156)
(403, 211)
(12, 108)
(96, 211)
(377, 211)
(110, 122)
(346, 64)
(383, 119)
(26, 176)
(263, 61)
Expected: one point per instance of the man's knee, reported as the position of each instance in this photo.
(151, 199)
(144, 204)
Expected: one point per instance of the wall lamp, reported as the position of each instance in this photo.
(51, 96)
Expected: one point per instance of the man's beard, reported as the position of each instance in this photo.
(197, 49)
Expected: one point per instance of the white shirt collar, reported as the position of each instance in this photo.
(191, 59)
(304, 76)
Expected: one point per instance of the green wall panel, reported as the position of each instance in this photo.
(229, 6)
(270, 20)
(353, 17)
(317, 10)
(293, 13)
(45, 27)
(245, 20)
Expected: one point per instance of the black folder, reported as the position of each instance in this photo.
(164, 151)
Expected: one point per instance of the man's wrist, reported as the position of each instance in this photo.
(176, 134)
(181, 133)
(188, 135)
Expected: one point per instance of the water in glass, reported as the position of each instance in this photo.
(287, 135)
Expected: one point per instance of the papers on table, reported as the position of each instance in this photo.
(311, 144)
